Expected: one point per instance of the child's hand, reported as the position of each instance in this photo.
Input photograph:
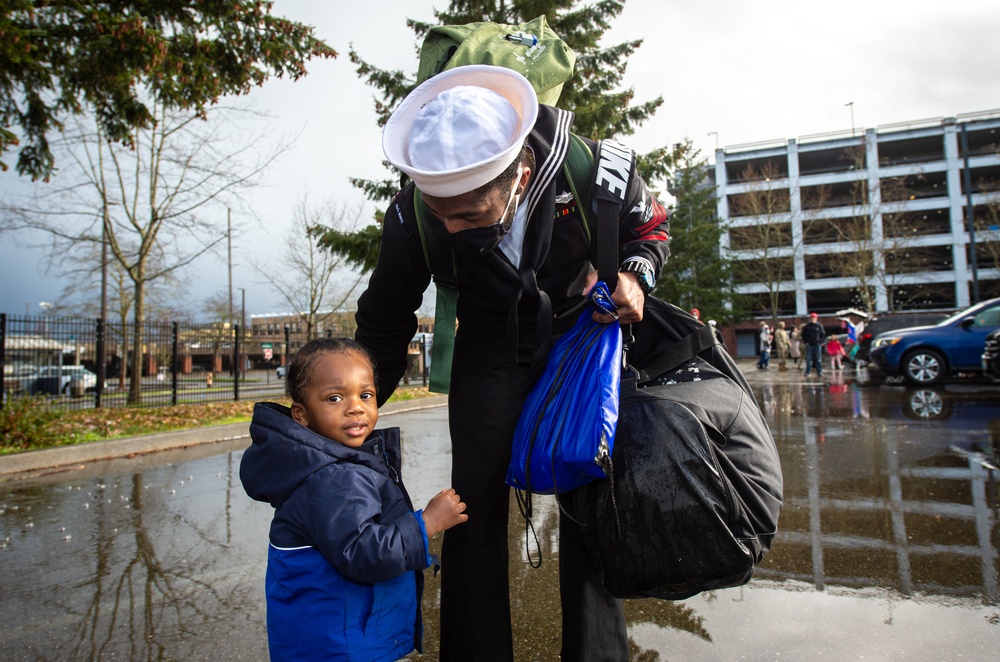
(444, 511)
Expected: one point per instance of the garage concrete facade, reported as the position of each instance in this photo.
(808, 216)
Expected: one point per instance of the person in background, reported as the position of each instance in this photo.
(795, 345)
(696, 314)
(347, 549)
(765, 347)
(837, 353)
(781, 346)
(814, 336)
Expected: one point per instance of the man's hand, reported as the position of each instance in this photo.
(628, 296)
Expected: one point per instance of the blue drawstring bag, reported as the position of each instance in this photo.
(566, 430)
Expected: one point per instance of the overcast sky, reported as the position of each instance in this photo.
(729, 71)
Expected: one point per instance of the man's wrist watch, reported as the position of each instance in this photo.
(642, 270)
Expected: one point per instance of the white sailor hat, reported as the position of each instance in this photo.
(461, 128)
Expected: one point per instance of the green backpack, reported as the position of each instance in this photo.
(531, 49)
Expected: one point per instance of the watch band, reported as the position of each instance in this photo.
(642, 269)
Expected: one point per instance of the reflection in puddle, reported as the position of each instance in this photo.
(887, 549)
(142, 565)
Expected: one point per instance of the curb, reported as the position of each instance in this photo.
(18, 465)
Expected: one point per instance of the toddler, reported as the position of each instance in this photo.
(344, 571)
(836, 351)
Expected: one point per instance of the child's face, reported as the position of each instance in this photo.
(340, 400)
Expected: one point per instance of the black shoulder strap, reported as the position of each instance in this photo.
(615, 166)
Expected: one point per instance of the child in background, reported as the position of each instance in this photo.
(836, 351)
(795, 344)
(344, 571)
(765, 347)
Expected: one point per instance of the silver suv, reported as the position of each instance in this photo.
(71, 377)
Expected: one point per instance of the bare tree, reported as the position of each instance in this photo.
(158, 207)
(81, 297)
(314, 282)
(762, 248)
(987, 225)
(872, 258)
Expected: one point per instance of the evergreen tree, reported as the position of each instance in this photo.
(602, 111)
(116, 60)
(697, 275)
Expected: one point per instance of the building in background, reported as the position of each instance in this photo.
(874, 219)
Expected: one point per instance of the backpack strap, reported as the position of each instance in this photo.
(441, 263)
(578, 169)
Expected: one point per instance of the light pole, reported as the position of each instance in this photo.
(243, 326)
(851, 104)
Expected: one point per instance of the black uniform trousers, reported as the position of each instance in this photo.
(486, 397)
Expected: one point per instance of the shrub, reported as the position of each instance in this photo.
(27, 423)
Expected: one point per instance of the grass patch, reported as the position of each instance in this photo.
(27, 423)
(30, 423)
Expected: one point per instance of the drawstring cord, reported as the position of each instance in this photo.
(524, 505)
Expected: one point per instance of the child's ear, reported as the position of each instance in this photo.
(299, 414)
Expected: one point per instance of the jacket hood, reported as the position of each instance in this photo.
(284, 453)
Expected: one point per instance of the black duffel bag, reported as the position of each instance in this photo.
(695, 488)
(692, 503)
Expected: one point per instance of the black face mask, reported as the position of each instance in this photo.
(480, 241)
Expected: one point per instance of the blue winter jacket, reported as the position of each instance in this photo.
(344, 566)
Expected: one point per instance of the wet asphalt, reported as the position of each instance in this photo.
(888, 545)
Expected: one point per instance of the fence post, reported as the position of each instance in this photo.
(175, 362)
(3, 358)
(102, 359)
(423, 359)
(288, 332)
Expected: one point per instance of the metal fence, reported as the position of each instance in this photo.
(61, 358)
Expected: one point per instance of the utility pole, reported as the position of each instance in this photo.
(102, 335)
(104, 264)
(229, 249)
(243, 326)
(229, 245)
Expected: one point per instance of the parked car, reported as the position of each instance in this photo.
(281, 370)
(928, 354)
(18, 377)
(884, 322)
(65, 379)
(990, 359)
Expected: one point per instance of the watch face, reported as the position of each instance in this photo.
(643, 273)
(647, 280)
